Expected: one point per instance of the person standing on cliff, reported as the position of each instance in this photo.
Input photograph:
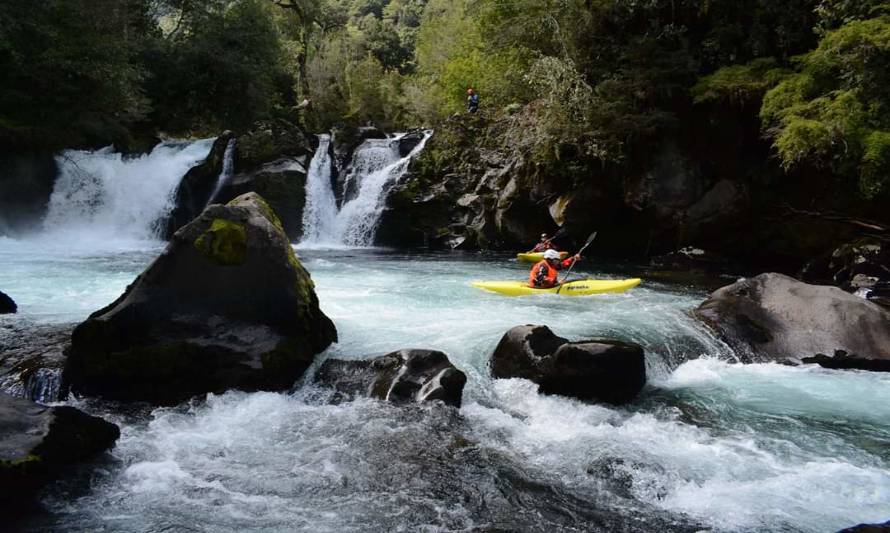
(472, 101)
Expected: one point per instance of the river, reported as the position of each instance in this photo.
(708, 444)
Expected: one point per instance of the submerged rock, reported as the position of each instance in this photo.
(37, 441)
(226, 305)
(773, 317)
(600, 370)
(7, 305)
(842, 360)
(405, 376)
(196, 186)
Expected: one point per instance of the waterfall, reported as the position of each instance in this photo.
(226, 172)
(376, 168)
(320, 212)
(101, 194)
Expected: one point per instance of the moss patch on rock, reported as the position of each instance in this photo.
(267, 210)
(224, 242)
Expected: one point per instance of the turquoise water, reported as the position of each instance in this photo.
(708, 445)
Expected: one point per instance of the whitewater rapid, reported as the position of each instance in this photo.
(708, 445)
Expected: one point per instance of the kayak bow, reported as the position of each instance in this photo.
(581, 287)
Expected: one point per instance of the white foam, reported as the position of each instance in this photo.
(101, 196)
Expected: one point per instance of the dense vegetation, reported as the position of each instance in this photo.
(591, 80)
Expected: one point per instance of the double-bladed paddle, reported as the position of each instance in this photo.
(581, 251)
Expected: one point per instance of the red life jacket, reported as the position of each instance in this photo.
(542, 276)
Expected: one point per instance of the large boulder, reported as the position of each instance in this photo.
(37, 441)
(226, 305)
(598, 370)
(269, 141)
(773, 317)
(405, 376)
(197, 185)
(282, 183)
(7, 305)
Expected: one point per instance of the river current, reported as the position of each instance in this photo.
(708, 445)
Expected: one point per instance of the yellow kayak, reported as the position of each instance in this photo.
(582, 287)
(534, 257)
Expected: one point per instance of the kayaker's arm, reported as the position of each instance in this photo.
(570, 261)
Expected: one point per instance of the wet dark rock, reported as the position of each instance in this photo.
(37, 442)
(405, 376)
(879, 293)
(282, 183)
(344, 142)
(269, 141)
(196, 186)
(773, 317)
(409, 142)
(692, 259)
(842, 360)
(226, 305)
(26, 184)
(32, 357)
(7, 305)
(861, 264)
(868, 528)
(599, 370)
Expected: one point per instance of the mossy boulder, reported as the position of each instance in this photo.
(37, 442)
(226, 305)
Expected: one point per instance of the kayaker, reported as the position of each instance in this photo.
(545, 274)
(543, 245)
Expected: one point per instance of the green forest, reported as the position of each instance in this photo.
(593, 80)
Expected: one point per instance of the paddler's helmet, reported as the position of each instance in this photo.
(551, 254)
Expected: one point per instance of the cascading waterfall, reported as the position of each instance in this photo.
(100, 194)
(376, 167)
(320, 212)
(227, 170)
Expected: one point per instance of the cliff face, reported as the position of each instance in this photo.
(709, 182)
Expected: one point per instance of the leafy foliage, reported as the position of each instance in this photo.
(67, 70)
(833, 111)
(739, 84)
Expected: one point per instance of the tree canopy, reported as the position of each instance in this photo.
(590, 78)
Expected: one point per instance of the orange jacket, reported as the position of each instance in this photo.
(544, 275)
